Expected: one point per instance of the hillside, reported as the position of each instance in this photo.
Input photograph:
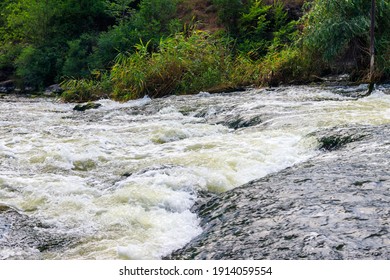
(205, 13)
(126, 49)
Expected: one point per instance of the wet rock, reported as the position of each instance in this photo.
(87, 106)
(337, 78)
(7, 86)
(334, 206)
(53, 90)
(351, 91)
(26, 237)
(227, 89)
(237, 122)
(336, 138)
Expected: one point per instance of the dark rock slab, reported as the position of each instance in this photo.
(7, 86)
(53, 90)
(334, 206)
(27, 235)
(237, 122)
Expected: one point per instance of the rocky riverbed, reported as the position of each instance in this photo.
(333, 206)
(286, 173)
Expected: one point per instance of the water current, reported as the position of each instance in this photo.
(119, 181)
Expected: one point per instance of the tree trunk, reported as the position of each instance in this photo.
(372, 48)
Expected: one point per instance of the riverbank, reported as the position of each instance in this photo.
(160, 48)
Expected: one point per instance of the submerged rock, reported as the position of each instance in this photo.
(237, 122)
(87, 106)
(334, 206)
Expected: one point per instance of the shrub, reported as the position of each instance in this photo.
(118, 39)
(182, 65)
(338, 32)
(153, 20)
(83, 90)
(229, 12)
(77, 57)
(36, 67)
(8, 53)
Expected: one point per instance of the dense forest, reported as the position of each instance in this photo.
(126, 49)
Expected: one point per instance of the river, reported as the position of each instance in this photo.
(120, 181)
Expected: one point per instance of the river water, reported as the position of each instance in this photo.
(119, 181)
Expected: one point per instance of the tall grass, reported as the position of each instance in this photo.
(82, 90)
(184, 64)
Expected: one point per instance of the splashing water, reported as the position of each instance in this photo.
(121, 180)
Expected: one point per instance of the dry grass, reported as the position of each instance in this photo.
(204, 14)
(200, 12)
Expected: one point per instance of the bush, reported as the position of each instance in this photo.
(229, 13)
(183, 65)
(36, 67)
(338, 32)
(83, 90)
(155, 19)
(157, 11)
(8, 53)
(118, 39)
(77, 57)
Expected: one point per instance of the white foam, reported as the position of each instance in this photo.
(68, 168)
(108, 105)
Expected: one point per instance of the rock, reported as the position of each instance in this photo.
(237, 122)
(334, 206)
(25, 237)
(336, 138)
(7, 86)
(87, 106)
(53, 90)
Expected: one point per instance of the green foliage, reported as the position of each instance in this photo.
(119, 39)
(254, 30)
(284, 66)
(338, 31)
(83, 90)
(332, 25)
(229, 13)
(77, 57)
(154, 19)
(383, 38)
(183, 65)
(35, 66)
(8, 53)
(243, 71)
(29, 21)
(255, 22)
(121, 10)
(44, 41)
(77, 17)
(43, 28)
(157, 11)
(257, 27)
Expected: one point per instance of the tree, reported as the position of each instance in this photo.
(40, 31)
(339, 31)
(372, 46)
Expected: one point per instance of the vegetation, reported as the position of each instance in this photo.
(126, 49)
(339, 32)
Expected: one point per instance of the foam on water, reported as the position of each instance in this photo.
(122, 179)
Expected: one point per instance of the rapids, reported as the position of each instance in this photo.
(120, 181)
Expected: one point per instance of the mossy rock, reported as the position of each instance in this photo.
(86, 106)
